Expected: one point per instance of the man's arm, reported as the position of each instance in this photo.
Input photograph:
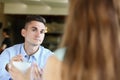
(4, 60)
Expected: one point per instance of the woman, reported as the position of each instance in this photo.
(7, 39)
(91, 43)
(93, 46)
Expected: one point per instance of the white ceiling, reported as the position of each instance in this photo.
(50, 7)
(51, 3)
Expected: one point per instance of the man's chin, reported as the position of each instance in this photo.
(36, 44)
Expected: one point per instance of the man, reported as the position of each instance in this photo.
(29, 51)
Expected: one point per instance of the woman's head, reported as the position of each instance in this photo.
(89, 14)
(6, 32)
(91, 38)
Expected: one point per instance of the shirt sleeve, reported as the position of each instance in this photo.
(4, 59)
(59, 53)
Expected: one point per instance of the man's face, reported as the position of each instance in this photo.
(34, 33)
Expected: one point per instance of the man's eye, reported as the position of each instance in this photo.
(33, 29)
(42, 32)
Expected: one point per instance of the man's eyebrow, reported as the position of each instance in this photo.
(33, 27)
(42, 29)
(36, 28)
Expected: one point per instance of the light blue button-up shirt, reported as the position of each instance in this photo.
(40, 57)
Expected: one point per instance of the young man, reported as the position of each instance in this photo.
(29, 51)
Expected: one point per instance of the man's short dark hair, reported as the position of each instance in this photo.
(35, 18)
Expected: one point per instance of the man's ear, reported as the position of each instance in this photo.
(23, 31)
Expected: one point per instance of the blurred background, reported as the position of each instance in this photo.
(13, 13)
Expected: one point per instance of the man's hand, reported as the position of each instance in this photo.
(36, 72)
(15, 58)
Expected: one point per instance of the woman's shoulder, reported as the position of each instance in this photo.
(52, 69)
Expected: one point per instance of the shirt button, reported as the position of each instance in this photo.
(25, 56)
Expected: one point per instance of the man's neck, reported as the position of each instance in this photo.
(30, 50)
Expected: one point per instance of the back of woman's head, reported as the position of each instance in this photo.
(91, 39)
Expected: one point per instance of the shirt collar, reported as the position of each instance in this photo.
(35, 55)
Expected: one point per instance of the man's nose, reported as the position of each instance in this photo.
(38, 33)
